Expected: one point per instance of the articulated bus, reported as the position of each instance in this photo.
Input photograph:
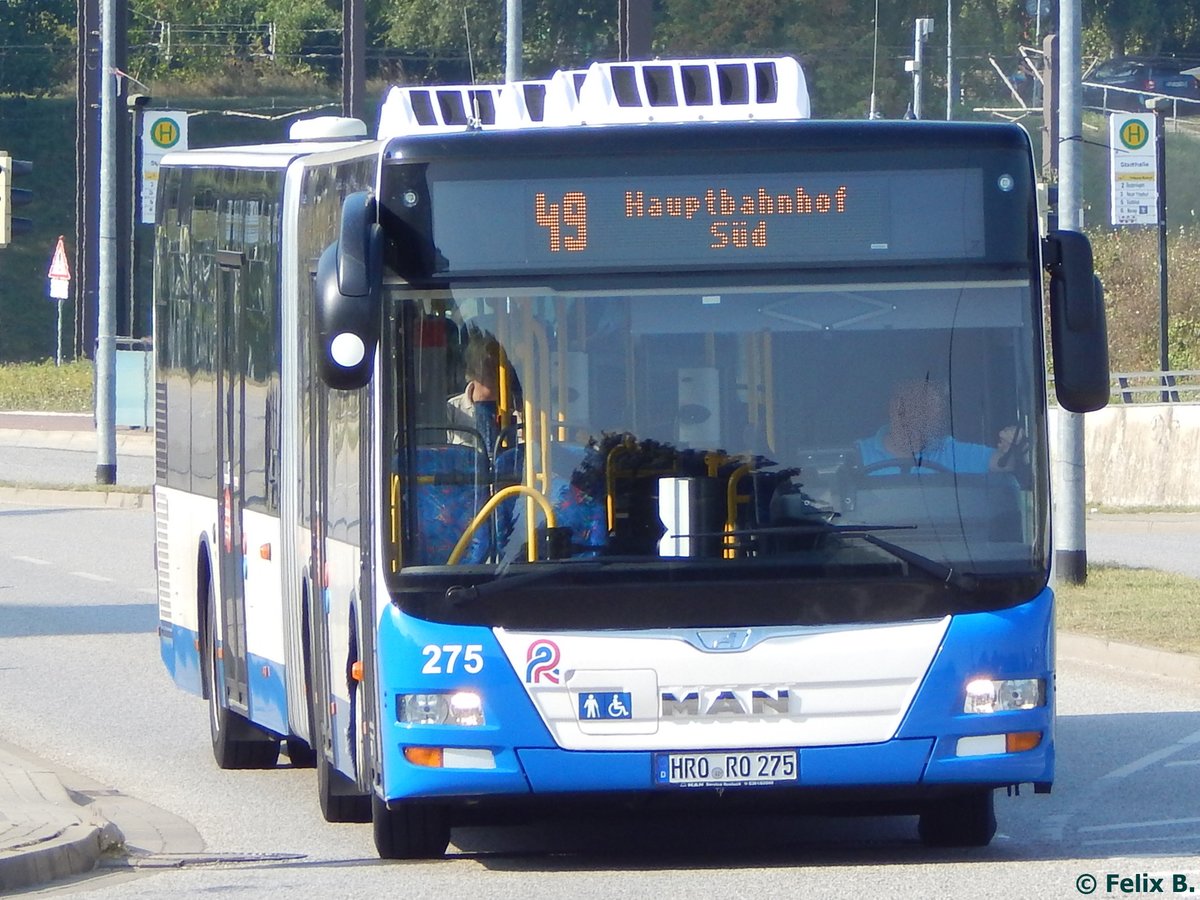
(552, 460)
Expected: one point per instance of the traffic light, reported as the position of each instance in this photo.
(12, 197)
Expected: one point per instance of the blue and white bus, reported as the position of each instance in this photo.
(540, 461)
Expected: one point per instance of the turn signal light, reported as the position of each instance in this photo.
(1016, 741)
(430, 757)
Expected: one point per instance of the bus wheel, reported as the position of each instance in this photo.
(338, 795)
(301, 755)
(409, 830)
(236, 743)
(968, 820)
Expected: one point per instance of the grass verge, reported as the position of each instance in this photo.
(45, 387)
(1133, 606)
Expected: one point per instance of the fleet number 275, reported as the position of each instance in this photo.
(446, 659)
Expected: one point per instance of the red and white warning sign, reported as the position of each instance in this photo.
(60, 272)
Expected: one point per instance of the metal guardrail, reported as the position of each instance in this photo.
(1182, 386)
(1157, 387)
(1188, 106)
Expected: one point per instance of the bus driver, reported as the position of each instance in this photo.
(918, 429)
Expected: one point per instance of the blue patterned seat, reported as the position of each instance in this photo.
(573, 508)
(453, 484)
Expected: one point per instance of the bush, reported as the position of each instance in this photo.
(1127, 263)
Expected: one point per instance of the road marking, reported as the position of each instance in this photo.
(1151, 758)
(90, 577)
(1145, 840)
(1052, 827)
(1160, 823)
(33, 560)
(1185, 762)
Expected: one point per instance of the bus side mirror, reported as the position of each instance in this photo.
(1078, 333)
(346, 297)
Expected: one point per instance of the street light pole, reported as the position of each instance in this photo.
(106, 331)
(921, 30)
(1158, 105)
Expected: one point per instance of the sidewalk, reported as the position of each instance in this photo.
(48, 833)
(56, 824)
(50, 458)
(44, 834)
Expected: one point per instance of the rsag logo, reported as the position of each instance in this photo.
(542, 662)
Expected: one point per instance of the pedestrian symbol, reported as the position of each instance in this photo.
(599, 705)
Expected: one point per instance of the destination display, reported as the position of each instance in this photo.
(641, 222)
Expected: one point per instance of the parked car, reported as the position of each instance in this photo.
(1135, 78)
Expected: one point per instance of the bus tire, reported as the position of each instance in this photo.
(236, 743)
(409, 830)
(968, 820)
(337, 795)
(300, 754)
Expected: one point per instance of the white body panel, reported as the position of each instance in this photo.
(846, 685)
(184, 521)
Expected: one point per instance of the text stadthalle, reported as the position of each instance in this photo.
(721, 202)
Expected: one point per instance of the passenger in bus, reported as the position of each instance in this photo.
(917, 437)
(474, 414)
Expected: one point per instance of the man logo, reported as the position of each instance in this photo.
(724, 703)
(723, 640)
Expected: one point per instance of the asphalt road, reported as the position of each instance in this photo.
(81, 684)
(1117, 541)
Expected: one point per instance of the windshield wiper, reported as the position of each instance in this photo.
(503, 582)
(929, 566)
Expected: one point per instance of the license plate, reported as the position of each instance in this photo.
(725, 768)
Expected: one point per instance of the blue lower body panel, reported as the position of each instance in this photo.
(267, 679)
(921, 759)
(896, 762)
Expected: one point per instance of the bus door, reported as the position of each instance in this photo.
(231, 396)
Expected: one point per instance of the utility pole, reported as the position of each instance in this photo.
(1158, 106)
(633, 29)
(1070, 532)
(513, 41)
(921, 30)
(354, 64)
(950, 60)
(106, 336)
(87, 176)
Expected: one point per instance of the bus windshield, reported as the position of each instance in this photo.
(826, 431)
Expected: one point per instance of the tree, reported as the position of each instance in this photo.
(37, 40)
(431, 37)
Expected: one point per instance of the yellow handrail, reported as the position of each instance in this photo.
(497, 498)
(731, 505)
(395, 521)
(610, 481)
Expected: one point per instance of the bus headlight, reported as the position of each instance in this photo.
(984, 695)
(455, 708)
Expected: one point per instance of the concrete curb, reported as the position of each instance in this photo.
(100, 498)
(1149, 523)
(74, 851)
(45, 834)
(129, 443)
(56, 824)
(1147, 660)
